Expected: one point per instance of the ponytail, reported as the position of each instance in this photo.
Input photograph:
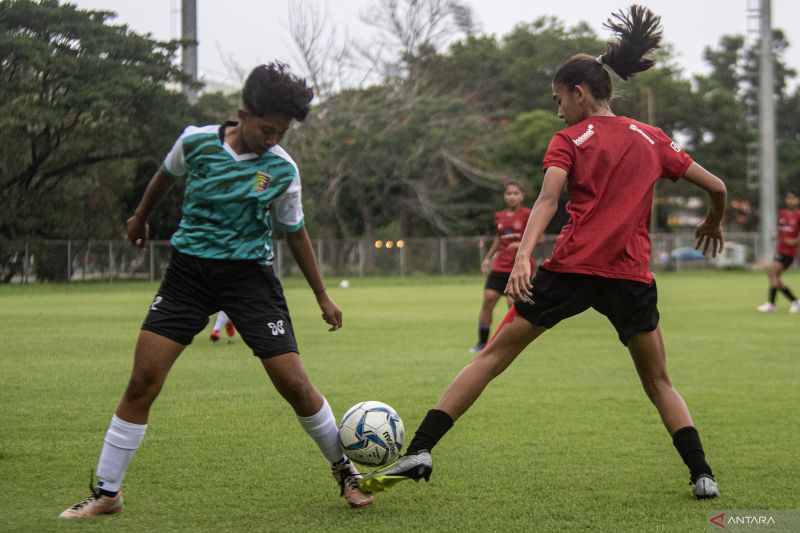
(638, 32)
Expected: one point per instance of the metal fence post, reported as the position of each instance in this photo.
(152, 261)
(69, 260)
(403, 261)
(25, 264)
(110, 261)
(443, 256)
(361, 259)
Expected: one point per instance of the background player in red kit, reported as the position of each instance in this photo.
(601, 258)
(509, 223)
(788, 238)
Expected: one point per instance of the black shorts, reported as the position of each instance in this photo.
(497, 281)
(785, 260)
(629, 305)
(194, 288)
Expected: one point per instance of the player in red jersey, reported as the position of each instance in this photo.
(509, 224)
(788, 238)
(601, 258)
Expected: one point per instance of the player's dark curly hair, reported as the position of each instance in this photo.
(638, 31)
(795, 192)
(273, 89)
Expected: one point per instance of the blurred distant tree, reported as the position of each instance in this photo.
(82, 103)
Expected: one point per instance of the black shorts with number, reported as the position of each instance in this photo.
(497, 281)
(194, 288)
(785, 260)
(629, 305)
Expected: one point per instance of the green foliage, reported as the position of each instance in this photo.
(572, 398)
(78, 92)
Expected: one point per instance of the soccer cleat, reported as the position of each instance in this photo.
(414, 467)
(229, 329)
(95, 504)
(704, 487)
(348, 478)
(795, 307)
(766, 308)
(477, 348)
(214, 335)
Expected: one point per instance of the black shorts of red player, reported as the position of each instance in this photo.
(631, 306)
(785, 260)
(194, 288)
(497, 281)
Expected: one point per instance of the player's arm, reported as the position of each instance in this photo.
(545, 207)
(136, 227)
(487, 260)
(303, 253)
(709, 231)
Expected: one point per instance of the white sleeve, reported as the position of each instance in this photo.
(289, 205)
(174, 163)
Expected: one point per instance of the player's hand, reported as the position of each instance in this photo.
(513, 246)
(485, 264)
(709, 235)
(138, 231)
(330, 312)
(519, 282)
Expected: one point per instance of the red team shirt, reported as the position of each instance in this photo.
(510, 228)
(788, 228)
(612, 164)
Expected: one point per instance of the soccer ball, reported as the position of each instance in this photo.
(371, 433)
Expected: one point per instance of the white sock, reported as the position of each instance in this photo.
(322, 428)
(222, 319)
(121, 442)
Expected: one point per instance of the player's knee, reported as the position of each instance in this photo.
(654, 386)
(295, 389)
(142, 386)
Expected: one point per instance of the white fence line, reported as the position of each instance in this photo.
(81, 260)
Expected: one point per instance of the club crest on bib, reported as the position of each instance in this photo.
(262, 181)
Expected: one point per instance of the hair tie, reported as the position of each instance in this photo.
(599, 59)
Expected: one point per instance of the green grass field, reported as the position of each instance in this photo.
(565, 440)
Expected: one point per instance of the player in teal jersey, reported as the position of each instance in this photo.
(237, 176)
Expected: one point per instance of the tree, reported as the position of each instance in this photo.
(81, 100)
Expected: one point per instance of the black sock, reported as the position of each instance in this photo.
(483, 333)
(433, 427)
(788, 293)
(687, 442)
(772, 292)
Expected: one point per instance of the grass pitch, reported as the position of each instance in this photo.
(564, 440)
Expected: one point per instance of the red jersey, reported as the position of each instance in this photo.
(612, 164)
(510, 228)
(788, 228)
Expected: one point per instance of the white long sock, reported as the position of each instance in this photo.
(121, 442)
(322, 428)
(222, 319)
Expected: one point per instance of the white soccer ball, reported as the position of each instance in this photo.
(344, 284)
(372, 433)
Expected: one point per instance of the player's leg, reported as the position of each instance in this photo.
(490, 299)
(258, 308)
(785, 262)
(222, 319)
(316, 418)
(647, 351)
(512, 336)
(153, 359)
(773, 274)
(179, 311)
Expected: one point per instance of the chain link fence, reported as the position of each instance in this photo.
(76, 260)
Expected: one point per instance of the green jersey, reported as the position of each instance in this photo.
(228, 197)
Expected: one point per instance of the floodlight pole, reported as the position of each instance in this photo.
(189, 47)
(766, 123)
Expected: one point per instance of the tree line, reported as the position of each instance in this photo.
(410, 137)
